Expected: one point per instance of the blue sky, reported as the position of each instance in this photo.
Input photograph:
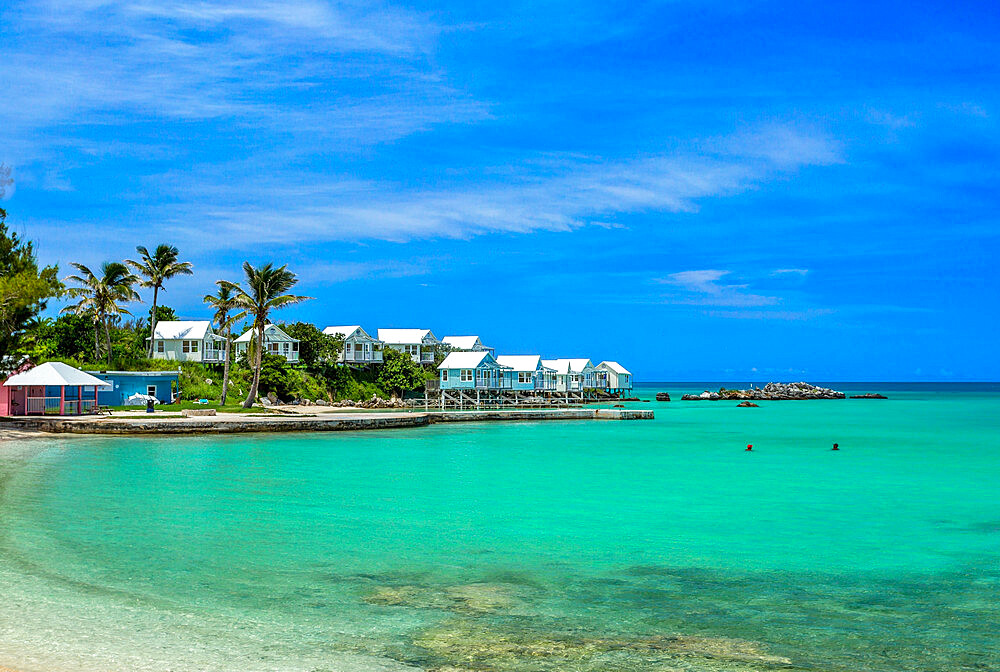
(739, 191)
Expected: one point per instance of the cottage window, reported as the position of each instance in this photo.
(347, 347)
(295, 346)
(466, 376)
(273, 347)
(189, 346)
(444, 375)
(523, 377)
(159, 346)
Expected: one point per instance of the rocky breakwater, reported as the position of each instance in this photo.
(770, 392)
(374, 402)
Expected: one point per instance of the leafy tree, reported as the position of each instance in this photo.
(157, 268)
(399, 373)
(67, 337)
(275, 376)
(316, 349)
(100, 297)
(225, 316)
(24, 288)
(266, 291)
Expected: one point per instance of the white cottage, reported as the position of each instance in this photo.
(188, 341)
(359, 347)
(418, 343)
(466, 344)
(614, 377)
(572, 375)
(276, 342)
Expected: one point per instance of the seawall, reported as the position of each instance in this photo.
(330, 422)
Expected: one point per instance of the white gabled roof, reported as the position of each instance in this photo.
(469, 360)
(169, 330)
(405, 336)
(560, 366)
(520, 362)
(344, 331)
(272, 332)
(616, 367)
(56, 374)
(462, 342)
(564, 366)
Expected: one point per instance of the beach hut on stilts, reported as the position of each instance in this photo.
(52, 388)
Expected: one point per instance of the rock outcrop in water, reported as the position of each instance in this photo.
(468, 598)
(462, 646)
(869, 395)
(747, 404)
(663, 396)
(770, 392)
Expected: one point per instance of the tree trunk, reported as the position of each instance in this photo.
(107, 340)
(152, 323)
(225, 369)
(258, 360)
(97, 346)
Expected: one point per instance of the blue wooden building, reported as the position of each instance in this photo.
(124, 384)
(472, 371)
(527, 373)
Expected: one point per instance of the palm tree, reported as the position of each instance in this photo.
(224, 303)
(157, 268)
(267, 286)
(101, 296)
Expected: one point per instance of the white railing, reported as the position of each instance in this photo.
(78, 407)
(50, 406)
(43, 406)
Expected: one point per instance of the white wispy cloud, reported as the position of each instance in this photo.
(347, 72)
(549, 193)
(790, 271)
(703, 288)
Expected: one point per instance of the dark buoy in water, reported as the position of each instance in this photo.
(836, 446)
(749, 447)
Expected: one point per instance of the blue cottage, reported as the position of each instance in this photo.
(124, 384)
(472, 371)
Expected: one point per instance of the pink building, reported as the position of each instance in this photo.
(53, 388)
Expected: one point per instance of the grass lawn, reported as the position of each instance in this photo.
(230, 407)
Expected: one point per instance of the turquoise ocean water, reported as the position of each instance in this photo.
(538, 546)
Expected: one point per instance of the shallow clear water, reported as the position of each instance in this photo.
(545, 546)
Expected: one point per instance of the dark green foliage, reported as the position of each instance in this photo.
(316, 349)
(24, 288)
(399, 373)
(275, 376)
(69, 336)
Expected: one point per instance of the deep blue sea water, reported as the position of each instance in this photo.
(657, 545)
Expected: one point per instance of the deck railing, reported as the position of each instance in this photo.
(50, 406)
(43, 406)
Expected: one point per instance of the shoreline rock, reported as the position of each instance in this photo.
(770, 392)
(747, 404)
(663, 396)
